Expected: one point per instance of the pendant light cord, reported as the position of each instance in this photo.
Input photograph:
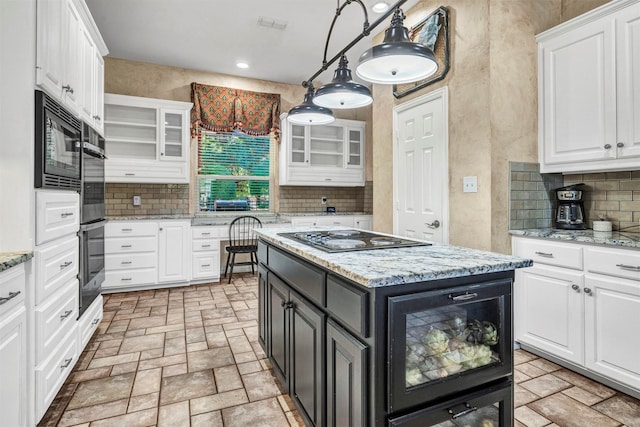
(365, 32)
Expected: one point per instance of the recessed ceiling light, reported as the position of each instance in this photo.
(380, 7)
(242, 65)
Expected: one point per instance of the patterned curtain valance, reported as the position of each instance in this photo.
(223, 109)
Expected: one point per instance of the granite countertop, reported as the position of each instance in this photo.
(323, 214)
(147, 217)
(11, 259)
(397, 266)
(226, 220)
(610, 238)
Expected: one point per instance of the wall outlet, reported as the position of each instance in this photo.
(470, 184)
(323, 200)
(137, 200)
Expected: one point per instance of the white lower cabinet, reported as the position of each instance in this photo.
(358, 221)
(584, 315)
(612, 309)
(173, 247)
(13, 347)
(205, 252)
(89, 322)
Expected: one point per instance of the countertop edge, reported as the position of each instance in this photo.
(618, 239)
(11, 259)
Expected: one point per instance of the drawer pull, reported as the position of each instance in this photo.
(206, 234)
(463, 297)
(66, 363)
(125, 279)
(206, 246)
(65, 265)
(468, 409)
(206, 265)
(125, 246)
(129, 174)
(545, 254)
(95, 321)
(127, 229)
(66, 214)
(12, 295)
(125, 262)
(65, 315)
(629, 267)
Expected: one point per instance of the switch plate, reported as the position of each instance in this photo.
(470, 184)
(137, 200)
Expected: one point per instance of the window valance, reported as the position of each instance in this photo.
(223, 109)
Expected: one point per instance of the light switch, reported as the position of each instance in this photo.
(137, 200)
(470, 184)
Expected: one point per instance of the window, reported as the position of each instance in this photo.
(233, 172)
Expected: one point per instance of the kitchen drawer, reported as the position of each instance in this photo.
(349, 305)
(57, 214)
(345, 221)
(55, 318)
(613, 262)
(551, 253)
(303, 277)
(128, 229)
(205, 265)
(123, 278)
(129, 261)
(205, 245)
(12, 286)
(56, 265)
(51, 374)
(120, 245)
(88, 323)
(198, 232)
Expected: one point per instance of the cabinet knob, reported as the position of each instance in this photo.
(588, 291)
(576, 288)
(620, 144)
(607, 146)
(162, 154)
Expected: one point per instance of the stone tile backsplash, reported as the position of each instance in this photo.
(294, 199)
(531, 197)
(157, 199)
(611, 195)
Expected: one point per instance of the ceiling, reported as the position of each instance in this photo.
(213, 35)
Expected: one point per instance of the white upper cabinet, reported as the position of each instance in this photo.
(589, 100)
(327, 155)
(69, 64)
(147, 139)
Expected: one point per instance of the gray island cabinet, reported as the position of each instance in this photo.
(346, 332)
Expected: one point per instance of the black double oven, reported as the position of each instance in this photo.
(70, 155)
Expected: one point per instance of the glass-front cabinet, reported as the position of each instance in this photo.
(147, 140)
(330, 154)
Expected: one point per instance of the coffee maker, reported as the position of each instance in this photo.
(570, 211)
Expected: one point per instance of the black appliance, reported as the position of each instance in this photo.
(57, 145)
(570, 210)
(350, 240)
(92, 211)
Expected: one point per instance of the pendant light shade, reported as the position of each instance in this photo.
(309, 113)
(343, 92)
(398, 59)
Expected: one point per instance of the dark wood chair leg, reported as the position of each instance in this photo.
(233, 262)
(251, 255)
(227, 266)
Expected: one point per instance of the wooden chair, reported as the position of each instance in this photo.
(242, 240)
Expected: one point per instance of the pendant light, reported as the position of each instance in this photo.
(343, 92)
(309, 113)
(397, 60)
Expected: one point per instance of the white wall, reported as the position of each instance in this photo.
(17, 82)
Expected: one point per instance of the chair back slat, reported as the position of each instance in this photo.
(241, 231)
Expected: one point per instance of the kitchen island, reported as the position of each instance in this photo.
(346, 332)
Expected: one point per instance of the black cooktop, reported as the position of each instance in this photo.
(347, 240)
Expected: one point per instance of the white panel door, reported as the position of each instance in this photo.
(578, 100)
(420, 169)
(628, 74)
(50, 57)
(173, 251)
(548, 312)
(13, 367)
(612, 308)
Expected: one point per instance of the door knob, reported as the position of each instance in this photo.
(434, 224)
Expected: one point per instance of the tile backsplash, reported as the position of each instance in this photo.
(531, 196)
(157, 199)
(611, 195)
(294, 199)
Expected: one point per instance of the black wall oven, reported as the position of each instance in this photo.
(57, 145)
(92, 272)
